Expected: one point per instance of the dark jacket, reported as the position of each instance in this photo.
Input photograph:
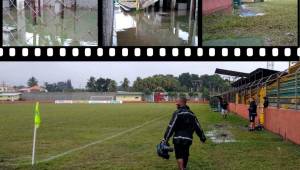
(224, 105)
(266, 103)
(252, 108)
(182, 125)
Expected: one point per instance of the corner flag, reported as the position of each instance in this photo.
(37, 116)
(37, 122)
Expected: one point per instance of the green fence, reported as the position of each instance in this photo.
(285, 91)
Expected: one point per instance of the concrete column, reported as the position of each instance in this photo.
(21, 27)
(173, 4)
(192, 9)
(173, 21)
(20, 5)
(161, 3)
(196, 15)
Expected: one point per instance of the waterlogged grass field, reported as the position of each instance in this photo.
(124, 136)
(277, 27)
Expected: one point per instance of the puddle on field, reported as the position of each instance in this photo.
(220, 134)
(244, 11)
(76, 28)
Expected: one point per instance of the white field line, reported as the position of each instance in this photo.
(99, 141)
(87, 145)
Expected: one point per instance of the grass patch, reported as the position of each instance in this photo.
(278, 27)
(66, 127)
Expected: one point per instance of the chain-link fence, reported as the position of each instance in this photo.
(50, 22)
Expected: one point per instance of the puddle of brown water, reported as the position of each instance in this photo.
(78, 28)
(154, 29)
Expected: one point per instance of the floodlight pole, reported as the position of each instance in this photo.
(33, 145)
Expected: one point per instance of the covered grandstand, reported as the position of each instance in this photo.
(281, 88)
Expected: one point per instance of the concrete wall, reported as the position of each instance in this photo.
(108, 20)
(284, 122)
(51, 96)
(210, 6)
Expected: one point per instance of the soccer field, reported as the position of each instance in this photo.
(124, 136)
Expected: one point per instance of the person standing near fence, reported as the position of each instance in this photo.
(224, 106)
(252, 114)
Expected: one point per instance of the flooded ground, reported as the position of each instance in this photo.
(220, 134)
(76, 28)
(154, 29)
(268, 23)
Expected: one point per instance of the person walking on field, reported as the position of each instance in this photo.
(183, 124)
(252, 114)
(224, 109)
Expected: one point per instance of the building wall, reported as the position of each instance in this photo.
(108, 20)
(129, 98)
(284, 122)
(210, 6)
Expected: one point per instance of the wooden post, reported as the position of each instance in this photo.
(62, 9)
(39, 8)
(33, 12)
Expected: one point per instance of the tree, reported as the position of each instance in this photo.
(69, 85)
(147, 92)
(59, 86)
(125, 84)
(186, 80)
(166, 82)
(91, 84)
(101, 85)
(112, 87)
(159, 89)
(32, 82)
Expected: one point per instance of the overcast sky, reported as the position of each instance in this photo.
(17, 73)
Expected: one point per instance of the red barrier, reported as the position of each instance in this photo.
(284, 122)
(210, 6)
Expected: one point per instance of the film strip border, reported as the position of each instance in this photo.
(149, 53)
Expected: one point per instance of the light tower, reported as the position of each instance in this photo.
(270, 65)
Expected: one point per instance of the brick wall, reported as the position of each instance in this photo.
(284, 122)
